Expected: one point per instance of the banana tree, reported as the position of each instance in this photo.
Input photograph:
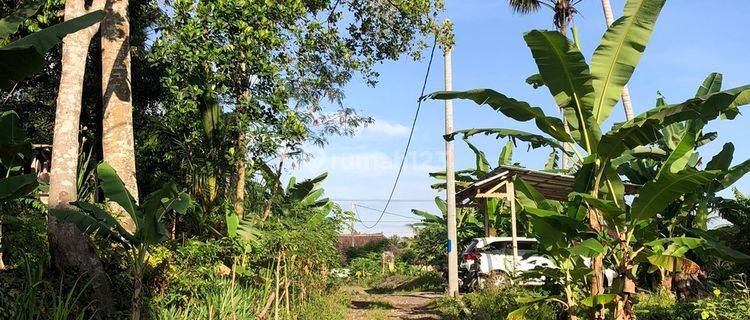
(149, 217)
(694, 208)
(300, 200)
(24, 57)
(587, 94)
(15, 151)
(467, 224)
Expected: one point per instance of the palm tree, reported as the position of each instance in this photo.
(563, 10)
(117, 125)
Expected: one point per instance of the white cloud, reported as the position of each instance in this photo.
(372, 163)
(382, 128)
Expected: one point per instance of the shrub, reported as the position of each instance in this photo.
(492, 304)
(662, 306)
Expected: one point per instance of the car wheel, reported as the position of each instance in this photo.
(495, 279)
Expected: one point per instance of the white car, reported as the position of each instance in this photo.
(495, 257)
(490, 259)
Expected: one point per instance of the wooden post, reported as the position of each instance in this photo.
(511, 194)
(450, 184)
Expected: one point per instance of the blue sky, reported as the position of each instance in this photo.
(692, 38)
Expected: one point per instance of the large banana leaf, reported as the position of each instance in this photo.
(678, 159)
(14, 187)
(15, 148)
(517, 110)
(24, 57)
(9, 25)
(656, 195)
(481, 164)
(723, 159)
(587, 248)
(88, 224)
(300, 190)
(114, 190)
(567, 77)
(528, 197)
(107, 221)
(645, 128)
(535, 140)
(619, 51)
(733, 174)
(743, 98)
(506, 154)
(710, 85)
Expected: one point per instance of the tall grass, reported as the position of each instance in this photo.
(29, 305)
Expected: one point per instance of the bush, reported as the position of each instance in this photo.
(492, 304)
(662, 305)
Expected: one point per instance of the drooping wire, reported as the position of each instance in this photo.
(408, 142)
(387, 212)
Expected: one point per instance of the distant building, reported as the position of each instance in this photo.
(358, 239)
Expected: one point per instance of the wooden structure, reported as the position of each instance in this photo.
(499, 184)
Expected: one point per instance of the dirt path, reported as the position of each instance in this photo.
(407, 305)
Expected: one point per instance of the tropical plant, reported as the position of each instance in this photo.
(467, 224)
(15, 151)
(24, 57)
(587, 95)
(148, 218)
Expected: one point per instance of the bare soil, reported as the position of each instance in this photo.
(406, 305)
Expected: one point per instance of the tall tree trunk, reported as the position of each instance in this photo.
(117, 124)
(239, 191)
(626, 104)
(70, 249)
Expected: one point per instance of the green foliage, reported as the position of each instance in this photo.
(24, 57)
(494, 304)
(371, 247)
(656, 146)
(331, 306)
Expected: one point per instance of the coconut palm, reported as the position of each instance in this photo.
(563, 10)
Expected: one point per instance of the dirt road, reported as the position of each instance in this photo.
(407, 305)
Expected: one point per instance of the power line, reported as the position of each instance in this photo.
(386, 212)
(411, 134)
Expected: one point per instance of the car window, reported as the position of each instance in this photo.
(498, 246)
(528, 246)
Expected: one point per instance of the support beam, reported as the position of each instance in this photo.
(511, 192)
(485, 215)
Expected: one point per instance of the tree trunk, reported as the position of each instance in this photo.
(117, 124)
(597, 264)
(626, 104)
(239, 192)
(70, 250)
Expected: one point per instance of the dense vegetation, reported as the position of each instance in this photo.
(143, 147)
(653, 240)
(209, 99)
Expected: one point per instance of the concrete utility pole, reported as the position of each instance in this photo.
(626, 104)
(450, 184)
